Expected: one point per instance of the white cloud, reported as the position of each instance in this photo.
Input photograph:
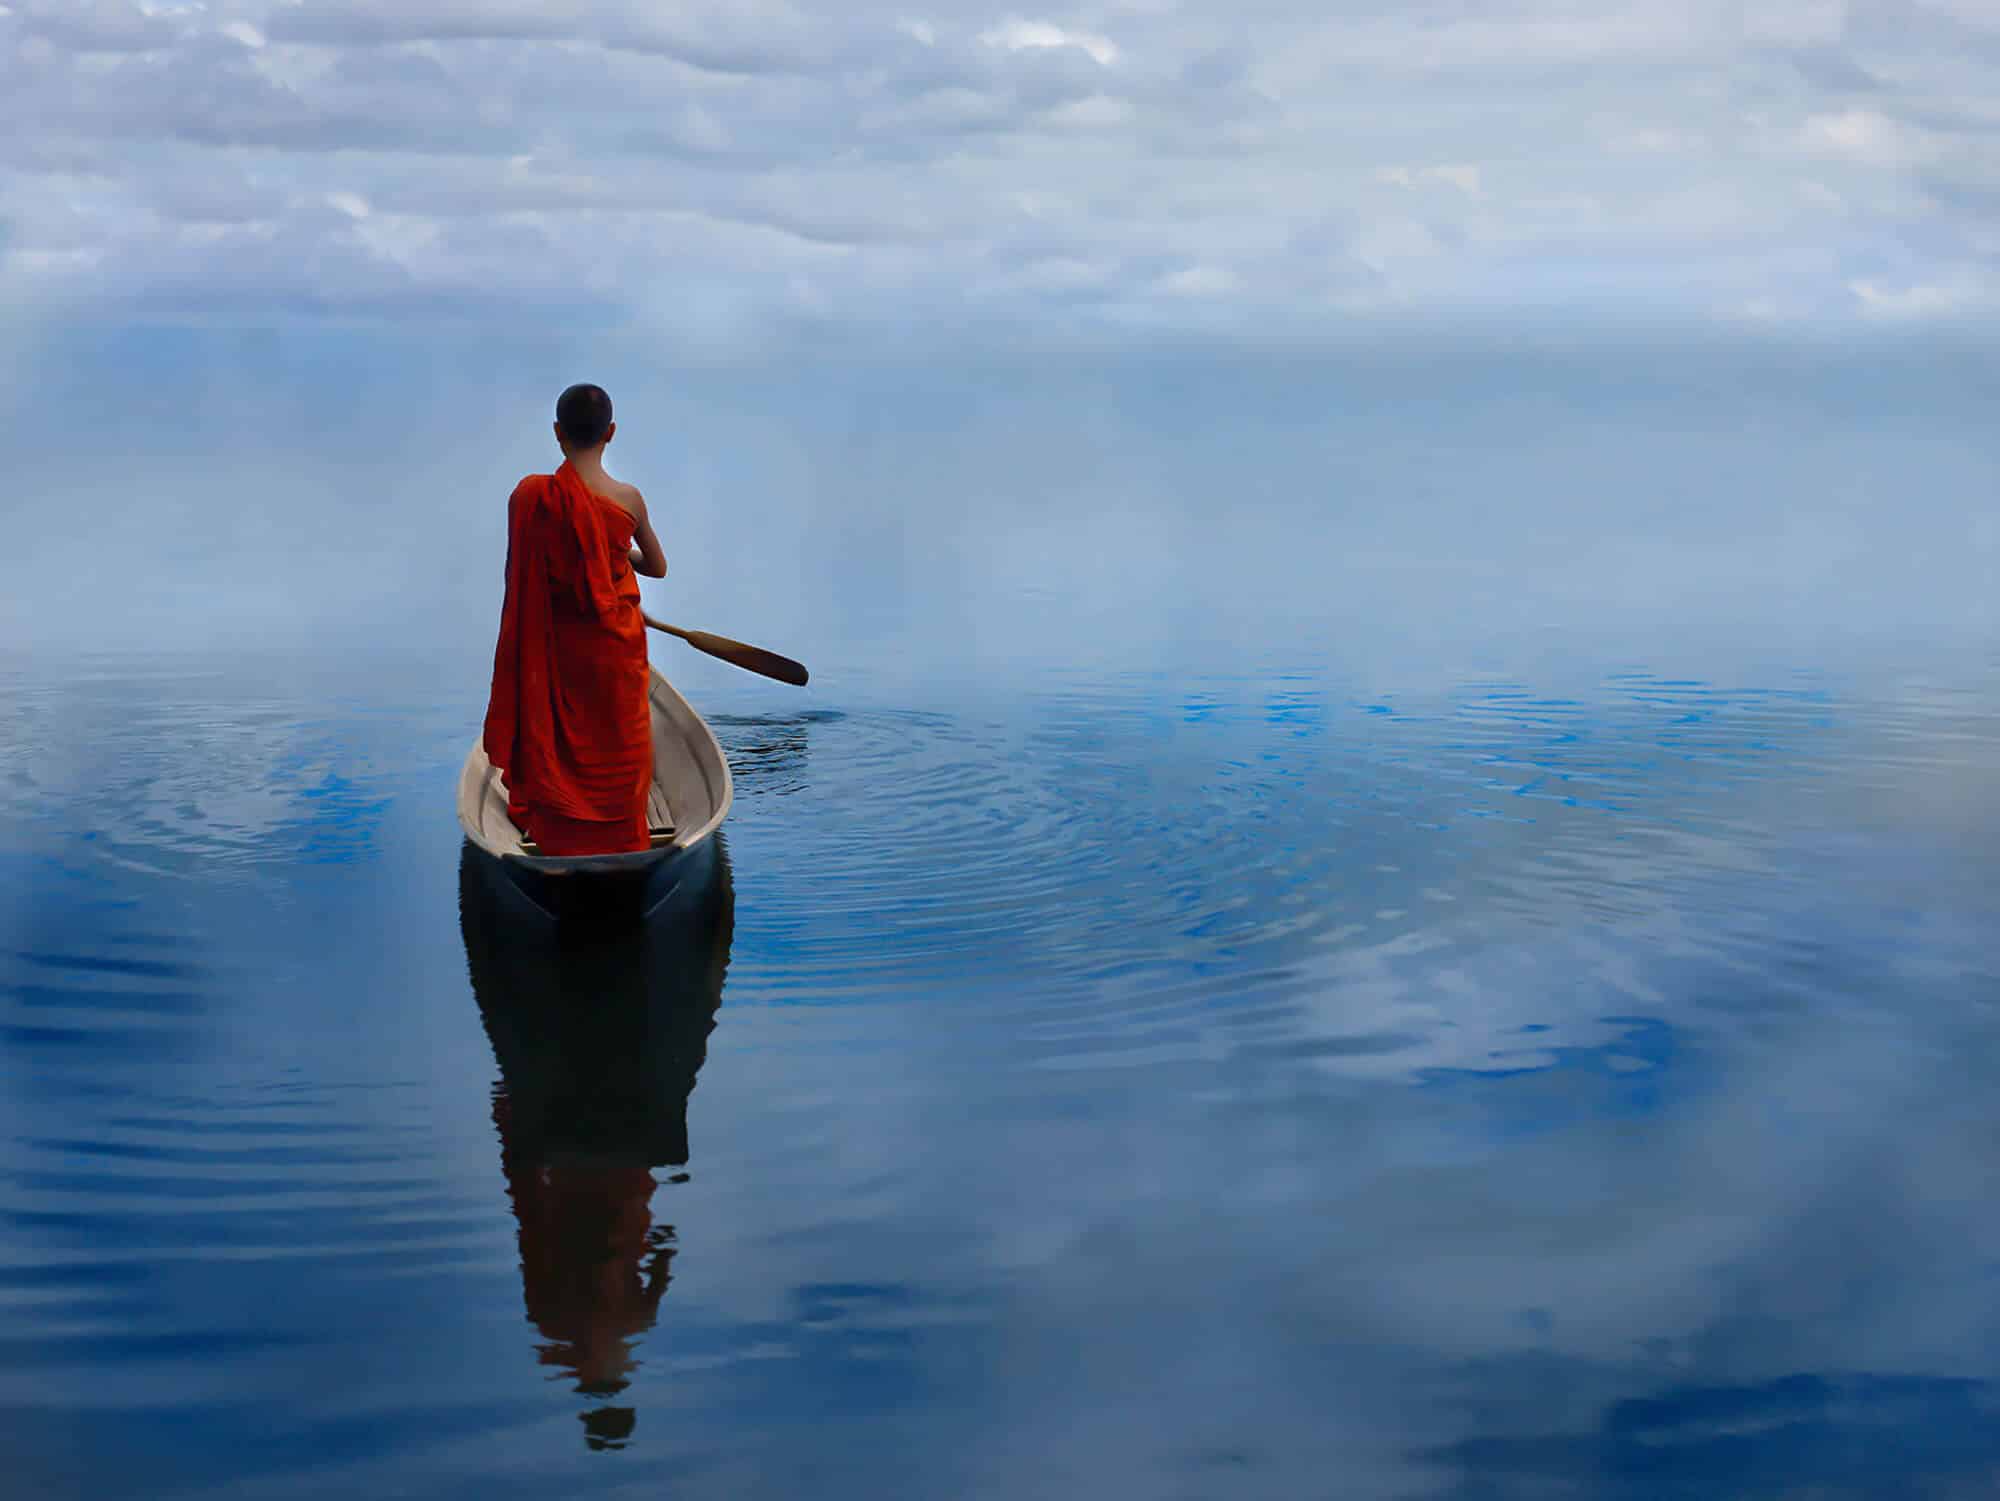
(1465, 178)
(1015, 34)
(1659, 140)
(1200, 281)
(1979, 14)
(1094, 111)
(363, 22)
(1761, 310)
(1385, 245)
(864, 160)
(1915, 301)
(1862, 135)
(1794, 22)
(103, 26)
(78, 259)
(1061, 274)
(401, 241)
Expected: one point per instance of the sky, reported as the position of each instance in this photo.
(959, 333)
(726, 175)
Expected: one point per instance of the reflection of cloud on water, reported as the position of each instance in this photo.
(157, 769)
(1832, 1435)
(1510, 1284)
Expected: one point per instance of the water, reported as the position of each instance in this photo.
(1563, 1071)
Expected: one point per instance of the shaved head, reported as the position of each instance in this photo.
(584, 415)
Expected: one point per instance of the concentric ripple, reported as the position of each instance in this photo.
(1286, 866)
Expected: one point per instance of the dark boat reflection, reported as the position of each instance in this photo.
(598, 1033)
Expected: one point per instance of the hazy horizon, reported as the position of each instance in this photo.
(286, 488)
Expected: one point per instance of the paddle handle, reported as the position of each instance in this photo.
(737, 653)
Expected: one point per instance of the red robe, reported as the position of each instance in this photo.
(567, 724)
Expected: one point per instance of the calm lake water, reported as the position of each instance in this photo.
(1571, 1073)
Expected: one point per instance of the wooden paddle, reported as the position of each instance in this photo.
(751, 658)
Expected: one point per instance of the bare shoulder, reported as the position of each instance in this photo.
(629, 497)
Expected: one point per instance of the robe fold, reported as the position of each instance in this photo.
(567, 723)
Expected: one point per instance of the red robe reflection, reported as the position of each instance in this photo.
(593, 1267)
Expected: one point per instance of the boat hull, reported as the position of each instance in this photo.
(690, 796)
(609, 897)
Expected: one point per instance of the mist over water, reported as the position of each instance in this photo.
(1411, 922)
(1020, 509)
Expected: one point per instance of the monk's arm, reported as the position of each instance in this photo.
(648, 557)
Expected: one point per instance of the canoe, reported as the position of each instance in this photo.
(690, 797)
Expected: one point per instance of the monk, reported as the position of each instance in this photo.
(567, 725)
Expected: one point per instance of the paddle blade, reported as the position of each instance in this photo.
(750, 658)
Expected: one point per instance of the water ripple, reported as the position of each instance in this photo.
(1382, 1015)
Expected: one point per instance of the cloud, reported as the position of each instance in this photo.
(1664, 140)
(1200, 281)
(1916, 301)
(100, 26)
(1464, 177)
(375, 22)
(1015, 34)
(1313, 158)
(1093, 111)
(1862, 135)
(1798, 23)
